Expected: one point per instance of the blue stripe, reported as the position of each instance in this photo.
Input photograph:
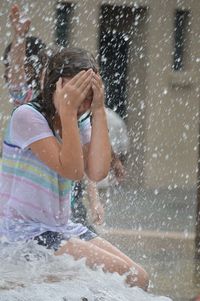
(41, 167)
(11, 145)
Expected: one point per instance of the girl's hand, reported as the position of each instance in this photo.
(97, 212)
(70, 94)
(119, 170)
(20, 24)
(98, 92)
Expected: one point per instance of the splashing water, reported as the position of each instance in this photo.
(30, 272)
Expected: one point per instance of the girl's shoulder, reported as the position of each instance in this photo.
(26, 117)
(26, 111)
(28, 125)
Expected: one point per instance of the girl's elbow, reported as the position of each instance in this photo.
(97, 172)
(75, 175)
(97, 176)
(103, 176)
(79, 176)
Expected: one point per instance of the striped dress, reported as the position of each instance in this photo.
(33, 197)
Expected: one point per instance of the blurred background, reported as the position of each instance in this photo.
(148, 52)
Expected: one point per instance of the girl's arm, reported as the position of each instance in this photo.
(117, 167)
(16, 74)
(95, 206)
(66, 158)
(98, 154)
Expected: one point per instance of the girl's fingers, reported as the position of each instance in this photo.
(96, 85)
(97, 81)
(94, 88)
(98, 78)
(82, 78)
(82, 81)
(79, 78)
(14, 15)
(85, 83)
(86, 90)
(74, 80)
(98, 93)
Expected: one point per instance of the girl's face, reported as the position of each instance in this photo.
(86, 104)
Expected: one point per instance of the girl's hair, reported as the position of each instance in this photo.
(34, 46)
(63, 62)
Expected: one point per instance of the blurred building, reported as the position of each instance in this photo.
(149, 55)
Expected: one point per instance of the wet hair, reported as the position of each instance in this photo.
(64, 62)
(34, 56)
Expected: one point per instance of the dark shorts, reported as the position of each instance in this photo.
(53, 240)
(78, 209)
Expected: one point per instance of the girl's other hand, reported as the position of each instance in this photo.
(119, 170)
(20, 24)
(98, 92)
(97, 212)
(70, 93)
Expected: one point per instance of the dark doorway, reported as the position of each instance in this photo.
(114, 29)
(180, 37)
(113, 52)
(64, 12)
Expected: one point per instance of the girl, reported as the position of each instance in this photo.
(30, 55)
(38, 169)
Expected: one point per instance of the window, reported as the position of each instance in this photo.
(115, 25)
(180, 35)
(63, 19)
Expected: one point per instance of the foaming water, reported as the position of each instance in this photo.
(29, 272)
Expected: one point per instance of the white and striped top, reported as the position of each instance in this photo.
(33, 197)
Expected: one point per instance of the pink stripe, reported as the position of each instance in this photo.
(35, 186)
(21, 202)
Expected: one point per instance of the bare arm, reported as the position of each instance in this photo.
(117, 167)
(95, 206)
(66, 158)
(99, 151)
(20, 26)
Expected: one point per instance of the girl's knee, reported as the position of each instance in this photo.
(137, 276)
(70, 247)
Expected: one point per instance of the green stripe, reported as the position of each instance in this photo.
(34, 169)
(39, 180)
(30, 161)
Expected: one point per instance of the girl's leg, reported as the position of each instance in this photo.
(104, 244)
(96, 256)
(107, 246)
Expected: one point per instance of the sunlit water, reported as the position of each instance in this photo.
(29, 272)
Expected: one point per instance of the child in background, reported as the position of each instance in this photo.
(22, 61)
(38, 169)
(90, 190)
(87, 190)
